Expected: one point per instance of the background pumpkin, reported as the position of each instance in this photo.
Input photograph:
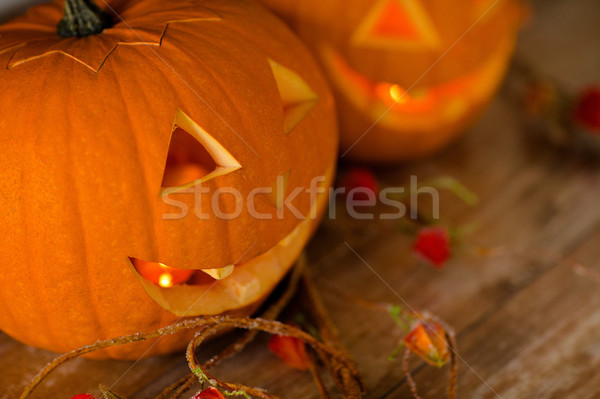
(94, 159)
(408, 75)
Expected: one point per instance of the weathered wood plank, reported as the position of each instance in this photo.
(542, 343)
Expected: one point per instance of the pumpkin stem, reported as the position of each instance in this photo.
(83, 18)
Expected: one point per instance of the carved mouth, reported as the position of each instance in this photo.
(213, 291)
(392, 106)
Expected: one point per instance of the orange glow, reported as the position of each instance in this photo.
(161, 274)
(391, 94)
(397, 94)
(361, 82)
(165, 280)
(365, 92)
(395, 22)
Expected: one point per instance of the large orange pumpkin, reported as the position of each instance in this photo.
(409, 75)
(115, 146)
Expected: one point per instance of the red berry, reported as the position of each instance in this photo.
(433, 245)
(587, 109)
(84, 396)
(360, 178)
(209, 393)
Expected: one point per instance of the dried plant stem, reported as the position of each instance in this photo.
(207, 378)
(182, 385)
(347, 381)
(272, 327)
(425, 317)
(453, 379)
(314, 371)
(453, 375)
(179, 387)
(209, 324)
(407, 373)
(118, 341)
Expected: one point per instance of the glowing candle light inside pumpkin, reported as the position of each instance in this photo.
(165, 280)
(391, 94)
(161, 274)
(397, 94)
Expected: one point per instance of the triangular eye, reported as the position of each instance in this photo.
(194, 156)
(297, 97)
(396, 24)
(187, 161)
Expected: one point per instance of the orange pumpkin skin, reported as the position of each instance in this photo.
(85, 158)
(409, 76)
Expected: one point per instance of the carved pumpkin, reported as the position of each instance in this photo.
(111, 138)
(408, 75)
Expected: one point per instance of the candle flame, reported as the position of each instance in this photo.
(165, 280)
(397, 94)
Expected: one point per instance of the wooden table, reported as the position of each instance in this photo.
(527, 325)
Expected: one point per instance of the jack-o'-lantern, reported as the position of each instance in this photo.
(171, 163)
(408, 75)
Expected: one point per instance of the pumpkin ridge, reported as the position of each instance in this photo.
(152, 234)
(78, 218)
(17, 59)
(32, 274)
(118, 177)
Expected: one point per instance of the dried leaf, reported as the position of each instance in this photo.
(291, 350)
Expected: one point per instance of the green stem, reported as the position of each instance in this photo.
(83, 18)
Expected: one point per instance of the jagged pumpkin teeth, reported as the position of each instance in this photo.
(220, 273)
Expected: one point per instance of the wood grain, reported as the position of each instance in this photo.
(527, 325)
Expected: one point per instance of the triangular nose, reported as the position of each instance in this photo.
(396, 24)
